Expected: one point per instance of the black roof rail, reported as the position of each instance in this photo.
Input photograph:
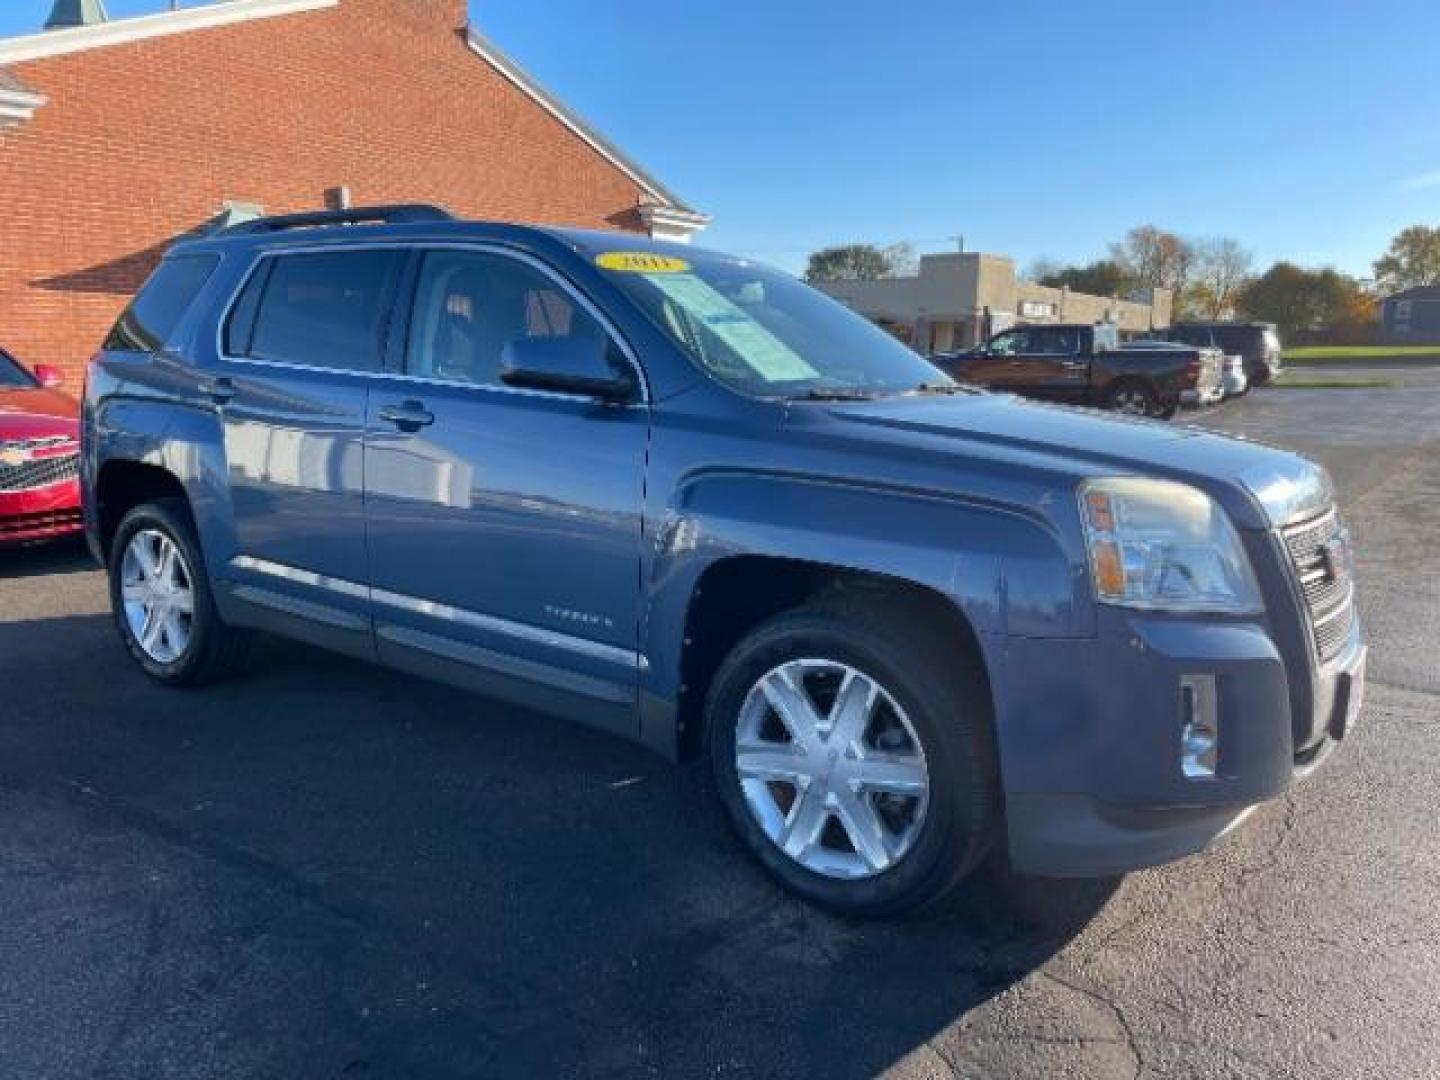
(386, 215)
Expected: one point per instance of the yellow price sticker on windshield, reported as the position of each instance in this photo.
(641, 262)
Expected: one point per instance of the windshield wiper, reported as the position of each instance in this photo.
(944, 388)
(833, 393)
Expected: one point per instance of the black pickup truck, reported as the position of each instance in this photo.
(1082, 365)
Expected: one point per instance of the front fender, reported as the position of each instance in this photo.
(1003, 566)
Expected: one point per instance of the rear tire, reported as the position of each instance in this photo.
(160, 594)
(1131, 397)
(931, 715)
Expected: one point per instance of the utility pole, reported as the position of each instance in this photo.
(959, 243)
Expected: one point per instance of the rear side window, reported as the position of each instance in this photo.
(161, 303)
(324, 309)
(1052, 341)
(1234, 339)
(1198, 336)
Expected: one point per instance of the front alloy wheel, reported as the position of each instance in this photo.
(852, 749)
(832, 771)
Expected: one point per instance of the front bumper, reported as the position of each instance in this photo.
(1090, 738)
(46, 513)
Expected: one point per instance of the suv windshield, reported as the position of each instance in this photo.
(763, 332)
(12, 375)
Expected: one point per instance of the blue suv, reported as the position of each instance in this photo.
(689, 500)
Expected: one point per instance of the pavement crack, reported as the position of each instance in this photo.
(944, 1056)
(1131, 1043)
(1270, 857)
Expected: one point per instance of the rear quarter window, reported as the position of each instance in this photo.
(161, 303)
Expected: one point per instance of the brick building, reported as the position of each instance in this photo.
(115, 137)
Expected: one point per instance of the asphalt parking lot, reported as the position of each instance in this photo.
(326, 870)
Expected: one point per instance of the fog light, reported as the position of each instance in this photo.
(1199, 730)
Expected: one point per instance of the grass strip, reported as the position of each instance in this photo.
(1297, 380)
(1363, 354)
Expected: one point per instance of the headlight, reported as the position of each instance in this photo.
(1164, 546)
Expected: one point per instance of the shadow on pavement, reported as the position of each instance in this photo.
(39, 560)
(330, 870)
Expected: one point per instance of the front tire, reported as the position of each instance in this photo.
(161, 597)
(854, 755)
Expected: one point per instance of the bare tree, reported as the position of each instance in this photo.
(1155, 259)
(1221, 271)
(902, 258)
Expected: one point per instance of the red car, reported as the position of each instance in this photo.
(39, 455)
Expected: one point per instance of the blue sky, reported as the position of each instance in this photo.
(1304, 128)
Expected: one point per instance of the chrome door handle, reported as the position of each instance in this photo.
(408, 416)
(219, 390)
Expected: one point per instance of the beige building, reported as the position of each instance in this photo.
(959, 299)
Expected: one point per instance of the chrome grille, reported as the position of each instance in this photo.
(39, 472)
(1320, 553)
(1330, 634)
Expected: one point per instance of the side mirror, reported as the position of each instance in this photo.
(566, 365)
(49, 377)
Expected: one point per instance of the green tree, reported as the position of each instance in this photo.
(1296, 299)
(1413, 259)
(848, 262)
(1103, 277)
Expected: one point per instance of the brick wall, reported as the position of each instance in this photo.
(145, 140)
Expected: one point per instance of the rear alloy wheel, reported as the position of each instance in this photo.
(853, 749)
(162, 601)
(157, 595)
(1132, 399)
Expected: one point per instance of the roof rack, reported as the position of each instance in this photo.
(386, 215)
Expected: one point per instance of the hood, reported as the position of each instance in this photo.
(37, 414)
(1244, 476)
